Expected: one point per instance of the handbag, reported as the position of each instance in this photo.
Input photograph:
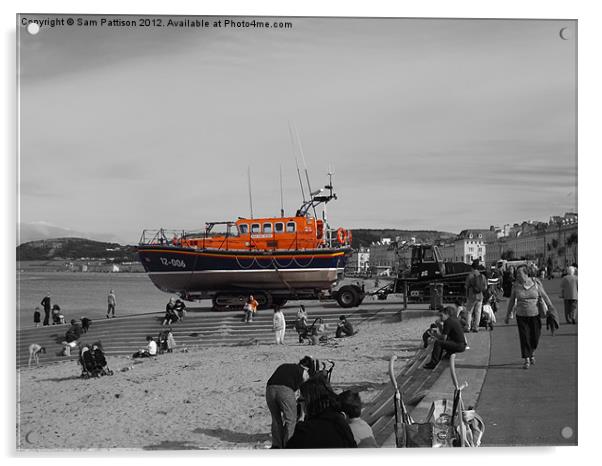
(542, 307)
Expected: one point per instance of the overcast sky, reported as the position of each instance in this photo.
(429, 124)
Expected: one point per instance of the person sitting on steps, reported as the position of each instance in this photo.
(451, 340)
(344, 328)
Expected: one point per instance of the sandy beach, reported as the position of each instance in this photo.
(194, 398)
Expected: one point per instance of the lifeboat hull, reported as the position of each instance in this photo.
(186, 271)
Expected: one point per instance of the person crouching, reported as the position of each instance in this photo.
(451, 339)
(280, 398)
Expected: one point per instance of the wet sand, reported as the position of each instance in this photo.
(205, 398)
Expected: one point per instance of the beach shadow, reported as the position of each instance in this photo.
(511, 365)
(61, 379)
(472, 366)
(361, 386)
(232, 436)
(171, 445)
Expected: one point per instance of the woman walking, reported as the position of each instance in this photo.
(526, 295)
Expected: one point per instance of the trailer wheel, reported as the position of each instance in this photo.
(217, 306)
(264, 300)
(347, 297)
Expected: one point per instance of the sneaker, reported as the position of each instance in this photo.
(107, 316)
(532, 360)
(526, 364)
(429, 365)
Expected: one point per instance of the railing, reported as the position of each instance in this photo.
(161, 236)
(167, 237)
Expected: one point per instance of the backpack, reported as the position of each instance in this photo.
(479, 283)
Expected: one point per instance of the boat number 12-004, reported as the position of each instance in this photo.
(173, 262)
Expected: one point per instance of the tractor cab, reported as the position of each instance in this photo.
(426, 262)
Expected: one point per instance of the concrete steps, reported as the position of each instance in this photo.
(125, 335)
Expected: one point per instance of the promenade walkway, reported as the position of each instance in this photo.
(537, 406)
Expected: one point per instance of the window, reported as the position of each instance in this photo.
(279, 227)
(254, 228)
(267, 228)
(243, 228)
(290, 227)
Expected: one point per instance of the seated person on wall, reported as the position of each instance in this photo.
(71, 337)
(171, 315)
(436, 328)
(344, 328)
(180, 308)
(451, 340)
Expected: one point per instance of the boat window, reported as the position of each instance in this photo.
(279, 227)
(255, 228)
(267, 228)
(243, 228)
(290, 227)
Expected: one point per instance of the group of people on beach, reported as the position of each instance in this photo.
(54, 311)
(175, 310)
(314, 333)
(307, 413)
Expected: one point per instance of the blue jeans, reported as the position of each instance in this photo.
(474, 306)
(283, 408)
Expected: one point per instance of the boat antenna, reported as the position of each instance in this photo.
(290, 130)
(281, 194)
(250, 194)
(311, 194)
(303, 159)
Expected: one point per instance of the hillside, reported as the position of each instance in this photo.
(77, 248)
(74, 248)
(365, 237)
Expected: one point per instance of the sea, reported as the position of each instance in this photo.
(85, 294)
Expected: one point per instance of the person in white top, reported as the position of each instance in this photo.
(150, 350)
(279, 325)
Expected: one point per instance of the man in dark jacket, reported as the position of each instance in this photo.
(344, 328)
(46, 304)
(280, 397)
(451, 340)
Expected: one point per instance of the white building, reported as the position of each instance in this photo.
(359, 261)
(468, 246)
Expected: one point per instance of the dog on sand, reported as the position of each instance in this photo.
(34, 353)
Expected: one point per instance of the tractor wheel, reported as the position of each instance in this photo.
(348, 297)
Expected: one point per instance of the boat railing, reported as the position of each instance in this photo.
(174, 237)
(161, 236)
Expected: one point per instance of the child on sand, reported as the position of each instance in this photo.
(36, 316)
(279, 326)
